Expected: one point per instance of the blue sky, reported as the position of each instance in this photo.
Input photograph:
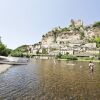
(25, 21)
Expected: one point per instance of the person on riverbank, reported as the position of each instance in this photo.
(91, 66)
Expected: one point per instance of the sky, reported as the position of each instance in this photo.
(25, 21)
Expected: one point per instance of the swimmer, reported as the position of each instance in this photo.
(91, 66)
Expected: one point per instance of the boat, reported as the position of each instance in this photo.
(13, 60)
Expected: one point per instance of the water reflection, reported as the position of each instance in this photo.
(44, 80)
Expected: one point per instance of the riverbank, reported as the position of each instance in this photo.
(4, 67)
(88, 60)
(81, 60)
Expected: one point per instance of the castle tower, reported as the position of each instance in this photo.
(76, 23)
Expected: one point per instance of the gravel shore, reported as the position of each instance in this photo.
(4, 67)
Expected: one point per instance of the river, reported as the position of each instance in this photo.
(46, 80)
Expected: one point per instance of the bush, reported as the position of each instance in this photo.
(64, 56)
(71, 57)
(16, 54)
(97, 24)
(44, 51)
(67, 56)
(59, 55)
(97, 40)
(4, 51)
(82, 35)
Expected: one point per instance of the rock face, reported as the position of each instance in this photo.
(68, 40)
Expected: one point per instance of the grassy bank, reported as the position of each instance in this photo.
(88, 59)
(81, 60)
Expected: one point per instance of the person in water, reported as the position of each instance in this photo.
(91, 66)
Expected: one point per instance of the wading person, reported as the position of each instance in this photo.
(91, 66)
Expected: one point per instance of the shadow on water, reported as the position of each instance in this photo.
(46, 80)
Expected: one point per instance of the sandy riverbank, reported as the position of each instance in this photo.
(4, 67)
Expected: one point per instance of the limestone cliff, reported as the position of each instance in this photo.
(76, 32)
(66, 38)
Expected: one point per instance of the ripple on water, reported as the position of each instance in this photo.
(42, 80)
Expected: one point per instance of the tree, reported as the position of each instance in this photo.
(4, 51)
(97, 24)
(44, 51)
(55, 33)
(82, 35)
(97, 40)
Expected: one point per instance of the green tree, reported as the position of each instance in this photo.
(59, 55)
(82, 35)
(16, 54)
(37, 52)
(44, 51)
(97, 40)
(97, 24)
(4, 51)
(55, 33)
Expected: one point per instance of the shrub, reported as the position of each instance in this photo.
(44, 51)
(71, 57)
(97, 24)
(16, 54)
(3, 50)
(82, 35)
(97, 40)
(67, 56)
(64, 56)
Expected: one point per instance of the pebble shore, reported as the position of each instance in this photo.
(4, 67)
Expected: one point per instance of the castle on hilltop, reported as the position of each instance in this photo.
(76, 23)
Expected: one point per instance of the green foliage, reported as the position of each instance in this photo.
(22, 48)
(55, 34)
(97, 40)
(67, 56)
(37, 52)
(20, 51)
(59, 55)
(16, 54)
(64, 29)
(44, 51)
(3, 50)
(71, 57)
(53, 49)
(97, 24)
(77, 29)
(90, 40)
(82, 35)
(8, 51)
(86, 58)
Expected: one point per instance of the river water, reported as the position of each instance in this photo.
(46, 80)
